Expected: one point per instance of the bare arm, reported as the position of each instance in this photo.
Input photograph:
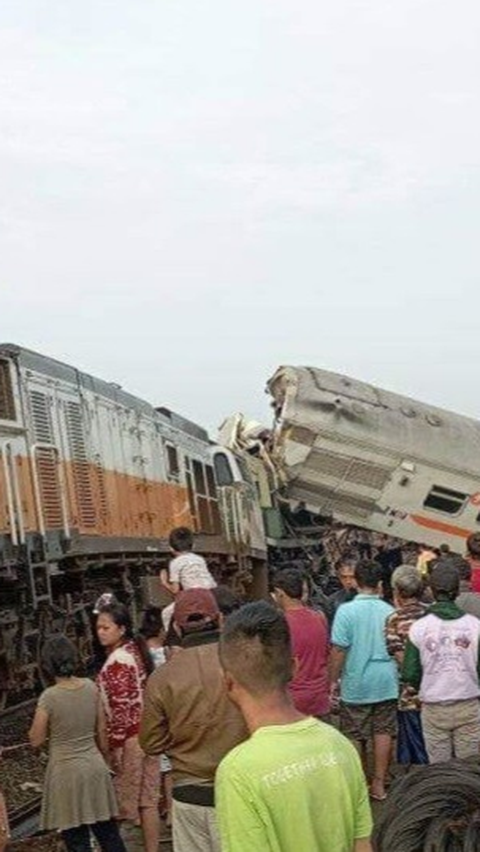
(174, 588)
(101, 730)
(38, 733)
(363, 845)
(336, 663)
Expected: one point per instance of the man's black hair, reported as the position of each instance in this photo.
(255, 648)
(368, 574)
(445, 580)
(347, 560)
(473, 545)
(290, 581)
(152, 624)
(181, 539)
(454, 560)
(227, 601)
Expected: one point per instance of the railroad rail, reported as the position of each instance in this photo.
(21, 769)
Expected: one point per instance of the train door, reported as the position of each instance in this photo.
(238, 501)
(202, 495)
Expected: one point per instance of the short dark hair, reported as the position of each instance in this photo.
(227, 600)
(290, 581)
(456, 561)
(59, 658)
(445, 580)
(152, 624)
(368, 574)
(346, 561)
(255, 648)
(181, 539)
(473, 545)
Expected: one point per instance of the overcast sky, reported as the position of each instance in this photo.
(194, 193)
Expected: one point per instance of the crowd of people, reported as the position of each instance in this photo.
(266, 726)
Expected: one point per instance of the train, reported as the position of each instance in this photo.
(92, 479)
(374, 459)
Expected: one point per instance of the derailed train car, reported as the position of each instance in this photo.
(361, 455)
(92, 480)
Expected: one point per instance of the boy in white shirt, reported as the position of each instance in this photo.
(187, 570)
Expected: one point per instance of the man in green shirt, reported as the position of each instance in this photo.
(297, 783)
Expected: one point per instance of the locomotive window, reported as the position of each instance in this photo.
(223, 471)
(212, 491)
(7, 404)
(173, 466)
(202, 497)
(445, 500)
(191, 499)
(199, 476)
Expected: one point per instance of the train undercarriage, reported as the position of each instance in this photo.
(40, 596)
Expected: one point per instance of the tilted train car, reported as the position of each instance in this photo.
(374, 459)
(92, 480)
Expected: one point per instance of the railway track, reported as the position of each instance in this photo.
(24, 820)
(21, 769)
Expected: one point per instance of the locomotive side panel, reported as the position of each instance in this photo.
(91, 482)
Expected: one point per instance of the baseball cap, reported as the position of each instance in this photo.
(194, 608)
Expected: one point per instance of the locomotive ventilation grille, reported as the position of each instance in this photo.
(7, 404)
(81, 469)
(348, 469)
(46, 461)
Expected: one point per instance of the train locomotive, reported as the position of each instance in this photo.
(92, 480)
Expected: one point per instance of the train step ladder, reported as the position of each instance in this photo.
(40, 583)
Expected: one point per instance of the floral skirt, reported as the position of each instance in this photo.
(137, 786)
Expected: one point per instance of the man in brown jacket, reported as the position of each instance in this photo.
(188, 715)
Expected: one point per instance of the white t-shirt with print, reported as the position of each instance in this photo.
(191, 572)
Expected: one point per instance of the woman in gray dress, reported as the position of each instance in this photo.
(78, 794)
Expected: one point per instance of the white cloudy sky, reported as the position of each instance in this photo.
(194, 193)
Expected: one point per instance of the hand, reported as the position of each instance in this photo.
(334, 696)
(116, 761)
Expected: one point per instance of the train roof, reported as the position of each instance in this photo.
(317, 400)
(45, 365)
